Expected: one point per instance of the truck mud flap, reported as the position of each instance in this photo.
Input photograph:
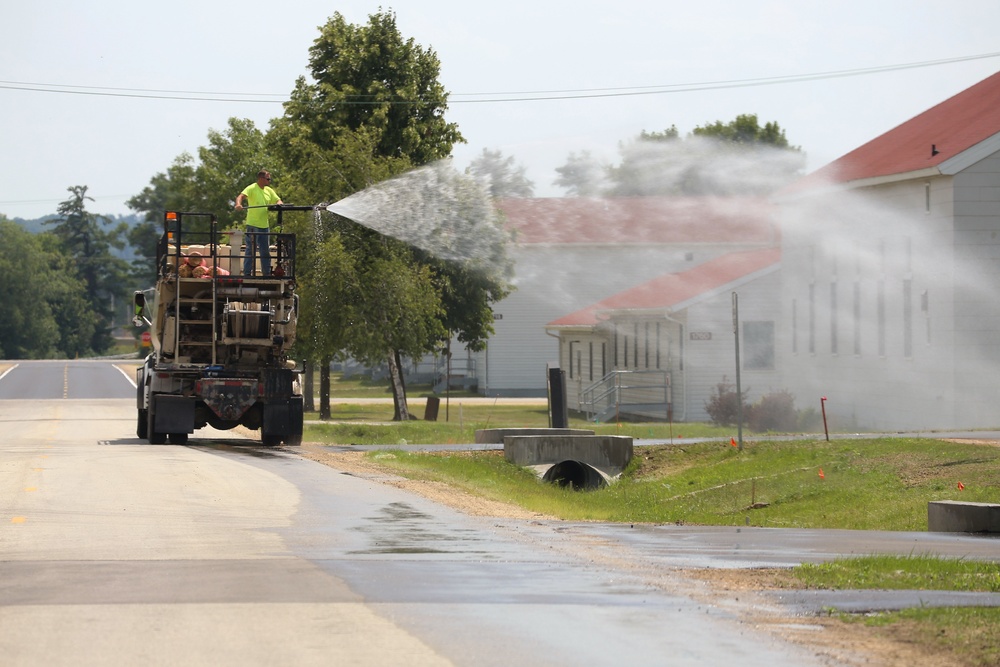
(283, 419)
(172, 414)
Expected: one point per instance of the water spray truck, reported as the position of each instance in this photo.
(220, 338)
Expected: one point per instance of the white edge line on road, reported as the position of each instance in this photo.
(121, 370)
(4, 374)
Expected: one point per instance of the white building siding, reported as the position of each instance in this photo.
(711, 362)
(915, 282)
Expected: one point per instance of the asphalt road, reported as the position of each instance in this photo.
(113, 551)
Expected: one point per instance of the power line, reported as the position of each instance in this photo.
(489, 97)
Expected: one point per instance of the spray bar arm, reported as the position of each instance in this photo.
(290, 207)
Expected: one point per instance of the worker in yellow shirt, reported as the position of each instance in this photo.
(256, 197)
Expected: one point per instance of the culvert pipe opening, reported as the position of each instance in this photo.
(577, 474)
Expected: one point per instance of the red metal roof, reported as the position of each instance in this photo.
(668, 291)
(951, 127)
(640, 220)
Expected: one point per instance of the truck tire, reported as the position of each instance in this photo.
(142, 424)
(178, 438)
(154, 437)
(270, 440)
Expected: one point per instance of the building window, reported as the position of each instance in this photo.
(657, 344)
(857, 317)
(571, 343)
(880, 318)
(795, 326)
(907, 318)
(812, 318)
(833, 317)
(758, 345)
(635, 348)
(645, 351)
(591, 361)
(925, 309)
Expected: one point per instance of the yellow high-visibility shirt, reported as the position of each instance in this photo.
(262, 197)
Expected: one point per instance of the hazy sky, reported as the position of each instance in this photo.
(490, 52)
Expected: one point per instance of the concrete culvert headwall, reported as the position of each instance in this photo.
(579, 475)
(583, 461)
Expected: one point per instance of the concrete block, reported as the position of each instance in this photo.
(602, 451)
(953, 516)
(486, 436)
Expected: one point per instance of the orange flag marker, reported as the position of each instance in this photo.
(732, 441)
(961, 487)
(821, 475)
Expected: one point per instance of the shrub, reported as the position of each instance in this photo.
(774, 412)
(723, 405)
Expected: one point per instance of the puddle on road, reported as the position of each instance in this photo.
(399, 528)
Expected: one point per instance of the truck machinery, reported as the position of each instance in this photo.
(220, 339)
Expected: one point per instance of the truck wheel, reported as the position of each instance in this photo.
(270, 440)
(178, 438)
(154, 437)
(142, 424)
(293, 440)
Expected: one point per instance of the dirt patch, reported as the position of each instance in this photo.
(973, 441)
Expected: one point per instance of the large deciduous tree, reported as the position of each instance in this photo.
(582, 175)
(503, 177)
(373, 109)
(740, 157)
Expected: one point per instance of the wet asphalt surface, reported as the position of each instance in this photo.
(672, 547)
(415, 530)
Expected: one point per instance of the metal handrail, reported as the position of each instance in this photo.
(611, 384)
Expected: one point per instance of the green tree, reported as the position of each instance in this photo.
(724, 159)
(582, 175)
(209, 183)
(746, 130)
(82, 236)
(648, 165)
(374, 109)
(45, 312)
(502, 176)
(28, 328)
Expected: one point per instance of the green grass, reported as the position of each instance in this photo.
(891, 572)
(457, 422)
(966, 634)
(878, 484)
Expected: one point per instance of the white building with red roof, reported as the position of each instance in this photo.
(574, 252)
(675, 331)
(891, 274)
